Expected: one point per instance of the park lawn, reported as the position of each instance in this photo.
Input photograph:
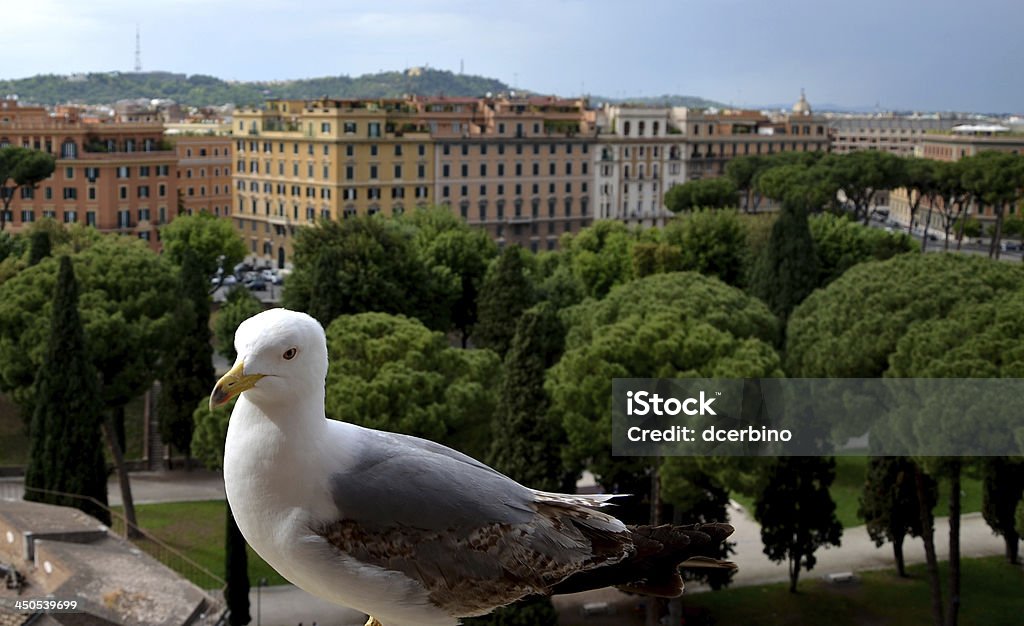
(991, 595)
(849, 482)
(197, 530)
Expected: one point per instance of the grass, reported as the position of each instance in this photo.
(197, 530)
(846, 489)
(990, 595)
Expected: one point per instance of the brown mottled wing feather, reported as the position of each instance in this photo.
(472, 573)
(654, 568)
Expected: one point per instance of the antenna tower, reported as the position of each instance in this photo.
(138, 50)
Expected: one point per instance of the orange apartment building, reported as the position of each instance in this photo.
(205, 160)
(116, 176)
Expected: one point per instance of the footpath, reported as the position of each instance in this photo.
(289, 606)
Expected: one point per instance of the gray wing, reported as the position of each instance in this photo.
(404, 481)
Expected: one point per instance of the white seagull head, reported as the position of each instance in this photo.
(282, 358)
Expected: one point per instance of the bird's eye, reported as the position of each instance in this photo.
(290, 354)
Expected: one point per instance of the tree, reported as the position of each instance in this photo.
(704, 193)
(211, 429)
(600, 256)
(213, 240)
(995, 179)
(743, 171)
(393, 373)
(1003, 490)
(66, 454)
(39, 246)
(919, 181)
(526, 441)
(663, 326)
(239, 306)
(800, 185)
(796, 512)
(787, 271)
(899, 318)
(507, 291)
(128, 307)
(861, 174)
(710, 242)
(1019, 518)
(889, 503)
(377, 270)
(189, 375)
(458, 256)
(841, 243)
(952, 197)
(21, 168)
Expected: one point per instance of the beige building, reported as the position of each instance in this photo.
(897, 134)
(521, 167)
(964, 140)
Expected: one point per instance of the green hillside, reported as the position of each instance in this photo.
(200, 90)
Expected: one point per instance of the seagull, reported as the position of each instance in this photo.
(406, 530)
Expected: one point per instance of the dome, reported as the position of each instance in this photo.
(802, 107)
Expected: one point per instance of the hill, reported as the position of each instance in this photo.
(201, 90)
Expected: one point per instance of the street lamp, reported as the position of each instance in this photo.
(259, 586)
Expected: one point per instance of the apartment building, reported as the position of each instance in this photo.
(640, 155)
(963, 140)
(116, 176)
(204, 153)
(521, 167)
(713, 138)
(898, 134)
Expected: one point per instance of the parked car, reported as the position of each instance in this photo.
(228, 280)
(256, 284)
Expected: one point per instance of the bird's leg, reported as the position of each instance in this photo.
(372, 621)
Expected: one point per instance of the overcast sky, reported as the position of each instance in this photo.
(896, 54)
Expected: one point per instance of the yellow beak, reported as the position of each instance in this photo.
(232, 384)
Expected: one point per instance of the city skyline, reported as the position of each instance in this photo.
(896, 56)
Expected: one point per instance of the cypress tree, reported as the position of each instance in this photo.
(796, 512)
(505, 294)
(1002, 490)
(787, 270)
(889, 504)
(66, 454)
(326, 303)
(526, 442)
(190, 374)
(39, 246)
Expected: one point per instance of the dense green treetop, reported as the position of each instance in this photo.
(393, 373)
(713, 243)
(852, 327)
(841, 243)
(21, 168)
(703, 193)
(599, 256)
(663, 326)
(128, 301)
(458, 256)
(375, 268)
(213, 240)
(239, 306)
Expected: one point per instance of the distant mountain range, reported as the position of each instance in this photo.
(200, 90)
